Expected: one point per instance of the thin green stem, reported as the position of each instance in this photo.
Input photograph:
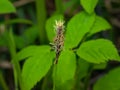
(77, 79)
(12, 50)
(59, 7)
(44, 84)
(16, 66)
(55, 74)
(41, 19)
(2, 82)
(87, 79)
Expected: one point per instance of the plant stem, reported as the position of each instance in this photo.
(87, 79)
(16, 66)
(59, 7)
(46, 80)
(55, 74)
(2, 82)
(12, 50)
(77, 79)
(41, 19)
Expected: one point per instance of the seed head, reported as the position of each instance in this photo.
(58, 41)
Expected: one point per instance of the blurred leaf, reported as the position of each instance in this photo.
(17, 20)
(6, 7)
(31, 34)
(4, 38)
(110, 81)
(98, 51)
(100, 25)
(28, 37)
(100, 66)
(19, 41)
(50, 26)
(89, 5)
(77, 27)
(2, 41)
(35, 68)
(65, 69)
(69, 5)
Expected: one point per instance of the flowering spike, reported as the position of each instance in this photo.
(58, 42)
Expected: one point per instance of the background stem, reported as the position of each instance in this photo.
(2, 82)
(16, 66)
(59, 7)
(87, 78)
(41, 19)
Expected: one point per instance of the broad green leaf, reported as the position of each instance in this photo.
(35, 68)
(27, 52)
(110, 81)
(38, 62)
(50, 26)
(6, 7)
(31, 51)
(65, 69)
(98, 51)
(77, 27)
(89, 5)
(100, 25)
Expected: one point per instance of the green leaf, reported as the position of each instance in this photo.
(31, 51)
(65, 69)
(110, 81)
(100, 25)
(98, 51)
(31, 34)
(89, 5)
(50, 26)
(77, 27)
(6, 7)
(36, 66)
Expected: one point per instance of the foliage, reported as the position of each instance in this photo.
(80, 56)
(6, 7)
(96, 51)
(110, 77)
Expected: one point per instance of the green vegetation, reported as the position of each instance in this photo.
(84, 50)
